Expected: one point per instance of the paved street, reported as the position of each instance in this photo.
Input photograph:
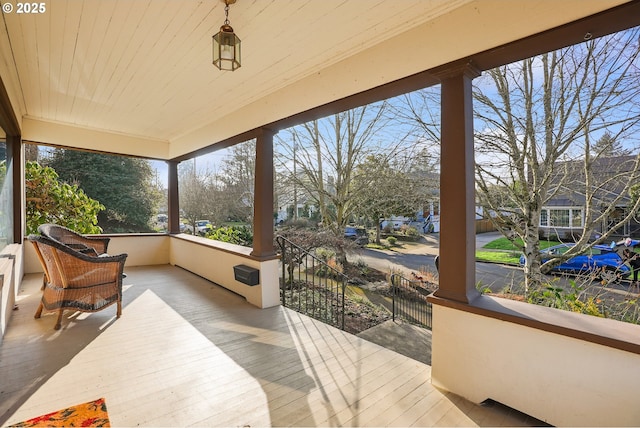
(419, 257)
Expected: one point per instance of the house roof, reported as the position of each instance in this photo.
(609, 181)
(135, 77)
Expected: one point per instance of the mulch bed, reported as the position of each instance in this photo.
(359, 317)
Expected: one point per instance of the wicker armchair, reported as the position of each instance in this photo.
(78, 281)
(92, 245)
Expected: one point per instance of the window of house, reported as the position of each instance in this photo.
(559, 218)
(576, 218)
(544, 218)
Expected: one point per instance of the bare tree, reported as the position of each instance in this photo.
(197, 193)
(421, 110)
(535, 123)
(327, 152)
(237, 176)
(393, 187)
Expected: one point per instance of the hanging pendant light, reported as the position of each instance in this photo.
(226, 45)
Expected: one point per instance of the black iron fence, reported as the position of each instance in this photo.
(410, 300)
(310, 285)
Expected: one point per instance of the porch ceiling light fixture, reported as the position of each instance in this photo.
(226, 45)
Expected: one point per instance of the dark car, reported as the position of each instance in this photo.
(358, 234)
(603, 260)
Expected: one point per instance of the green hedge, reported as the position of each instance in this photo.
(400, 237)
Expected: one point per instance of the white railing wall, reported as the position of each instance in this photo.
(561, 380)
(210, 259)
(10, 276)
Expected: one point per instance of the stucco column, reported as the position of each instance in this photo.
(457, 268)
(263, 197)
(173, 197)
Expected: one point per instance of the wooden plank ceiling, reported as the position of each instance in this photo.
(143, 67)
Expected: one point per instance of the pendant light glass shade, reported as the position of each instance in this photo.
(226, 44)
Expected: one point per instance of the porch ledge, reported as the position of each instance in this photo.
(602, 331)
(223, 246)
(215, 261)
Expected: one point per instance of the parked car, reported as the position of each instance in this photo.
(162, 222)
(203, 226)
(358, 234)
(186, 228)
(602, 260)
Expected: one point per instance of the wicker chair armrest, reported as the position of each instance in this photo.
(81, 248)
(99, 244)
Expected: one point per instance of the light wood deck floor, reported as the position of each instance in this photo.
(189, 353)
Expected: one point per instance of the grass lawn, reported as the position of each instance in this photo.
(504, 251)
(507, 257)
(505, 244)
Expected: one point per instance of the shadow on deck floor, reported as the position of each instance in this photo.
(406, 339)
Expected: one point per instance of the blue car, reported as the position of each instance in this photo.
(602, 260)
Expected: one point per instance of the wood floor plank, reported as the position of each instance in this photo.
(189, 353)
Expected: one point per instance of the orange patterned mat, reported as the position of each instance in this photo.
(91, 414)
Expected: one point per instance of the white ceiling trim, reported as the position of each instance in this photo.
(55, 133)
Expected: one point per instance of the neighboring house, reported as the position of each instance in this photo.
(304, 211)
(425, 221)
(290, 194)
(564, 213)
(427, 216)
(285, 203)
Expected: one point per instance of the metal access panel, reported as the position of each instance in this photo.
(246, 274)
